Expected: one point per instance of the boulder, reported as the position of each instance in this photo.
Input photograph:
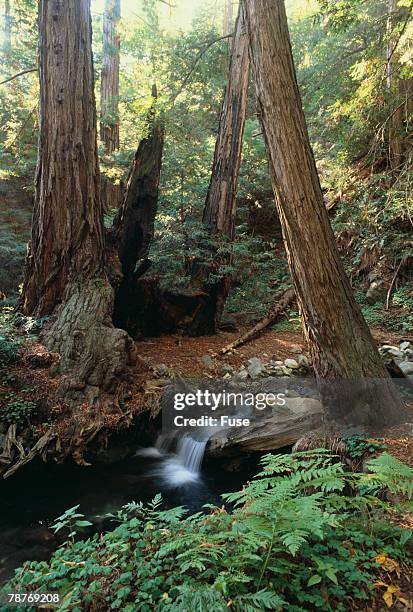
(282, 427)
(394, 351)
(377, 291)
(207, 361)
(406, 367)
(240, 376)
(256, 368)
(227, 369)
(303, 362)
(291, 364)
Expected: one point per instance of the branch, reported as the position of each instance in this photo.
(18, 75)
(196, 62)
(392, 284)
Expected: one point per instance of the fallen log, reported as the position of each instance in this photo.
(269, 318)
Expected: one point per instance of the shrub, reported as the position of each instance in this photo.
(12, 255)
(17, 410)
(9, 346)
(358, 445)
(8, 351)
(298, 539)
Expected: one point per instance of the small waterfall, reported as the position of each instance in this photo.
(182, 466)
(161, 448)
(191, 452)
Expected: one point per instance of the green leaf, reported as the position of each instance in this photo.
(330, 573)
(405, 536)
(314, 580)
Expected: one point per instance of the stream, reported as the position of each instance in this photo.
(33, 498)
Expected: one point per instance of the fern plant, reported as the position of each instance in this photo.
(304, 534)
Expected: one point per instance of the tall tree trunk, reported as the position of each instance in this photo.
(134, 225)
(228, 18)
(7, 29)
(109, 94)
(220, 205)
(66, 260)
(399, 91)
(351, 376)
(396, 120)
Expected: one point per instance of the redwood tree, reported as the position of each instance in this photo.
(340, 342)
(220, 205)
(109, 97)
(109, 92)
(6, 29)
(134, 225)
(66, 269)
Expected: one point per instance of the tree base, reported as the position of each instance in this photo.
(94, 355)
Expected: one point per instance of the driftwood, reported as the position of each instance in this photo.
(269, 318)
(388, 298)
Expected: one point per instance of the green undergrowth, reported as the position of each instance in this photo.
(17, 402)
(399, 317)
(305, 534)
(9, 341)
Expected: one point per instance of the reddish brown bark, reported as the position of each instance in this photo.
(220, 205)
(66, 262)
(134, 225)
(341, 345)
(67, 232)
(109, 94)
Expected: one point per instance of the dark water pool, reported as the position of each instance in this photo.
(33, 498)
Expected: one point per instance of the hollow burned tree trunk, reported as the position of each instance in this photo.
(351, 376)
(66, 270)
(220, 205)
(133, 227)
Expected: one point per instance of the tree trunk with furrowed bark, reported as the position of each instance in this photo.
(109, 96)
(220, 205)
(66, 268)
(351, 376)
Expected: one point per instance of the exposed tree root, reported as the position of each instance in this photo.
(40, 448)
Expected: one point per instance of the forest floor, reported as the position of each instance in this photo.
(184, 355)
(28, 384)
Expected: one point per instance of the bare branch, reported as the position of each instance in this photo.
(198, 58)
(18, 75)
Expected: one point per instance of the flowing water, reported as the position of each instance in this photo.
(175, 467)
(179, 468)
